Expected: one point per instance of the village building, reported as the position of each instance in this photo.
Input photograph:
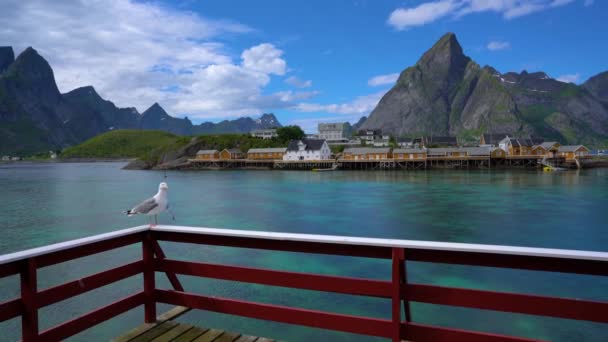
(369, 135)
(405, 142)
(517, 146)
(477, 152)
(207, 155)
(6, 158)
(264, 133)
(492, 139)
(497, 153)
(572, 152)
(307, 149)
(443, 152)
(334, 132)
(409, 154)
(231, 154)
(539, 150)
(275, 153)
(551, 147)
(366, 153)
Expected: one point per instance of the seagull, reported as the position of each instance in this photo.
(153, 205)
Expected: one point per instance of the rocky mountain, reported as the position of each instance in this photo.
(36, 117)
(447, 93)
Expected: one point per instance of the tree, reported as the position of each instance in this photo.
(290, 133)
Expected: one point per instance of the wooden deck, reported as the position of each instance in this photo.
(166, 329)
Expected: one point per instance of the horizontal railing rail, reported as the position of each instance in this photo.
(398, 290)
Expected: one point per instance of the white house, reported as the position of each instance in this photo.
(264, 133)
(307, 149)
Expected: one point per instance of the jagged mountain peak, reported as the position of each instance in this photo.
(7, 57)
(155, 110)
(598, 86)
(446, 51)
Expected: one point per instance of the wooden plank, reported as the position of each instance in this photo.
(247, 338)
(11, 309)
(61, 292)
(227, 337)
(347, 285)
(158, 330)
(168, 315)
(131, 334)
(509, 302)
(158, 251)
(173, 333)
(191, 334)
(29, 289)
(209, 336)
(62, 246)
(264, 339)
(312, 318)
(93, 318)
(376, 242)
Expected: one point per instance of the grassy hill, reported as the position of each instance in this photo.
(126, 144)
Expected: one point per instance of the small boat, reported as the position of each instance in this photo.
(335, 167)
(549, 168)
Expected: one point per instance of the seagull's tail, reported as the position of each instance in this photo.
(129, 213)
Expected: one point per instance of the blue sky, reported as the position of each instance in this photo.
(306, 61)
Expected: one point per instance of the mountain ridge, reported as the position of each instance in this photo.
(447, 93)
(36, 117)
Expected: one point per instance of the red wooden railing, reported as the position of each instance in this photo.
(397, 289)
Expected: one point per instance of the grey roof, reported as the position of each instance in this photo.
(520, 141)
(311, 144)
(570, 148)
(268, 150)
(366, 150)
(233, 150)
(202, 152)
(445, 149)
(409, 150)
(548, 144)
(477, 151)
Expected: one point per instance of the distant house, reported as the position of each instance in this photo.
(307, 149)
(409, 154)
(52, 155)
(207, 155)
(369, 135)
(266, 153)
(6, 158)
(405, 142)
(539, 150)
(264, 133)
(366, 153)
(334, 132)
(517, 146)
(571, 152)
(477, 152)
(454, 152)
(231, 154)
(497, 152)
(551, 147)
(492, 139)
(439, 141)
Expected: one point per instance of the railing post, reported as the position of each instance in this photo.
(149, 278)
(397, 275)
(404, 295)
(29, 289)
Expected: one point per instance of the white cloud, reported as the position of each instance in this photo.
(383, 79)
(570, 78)
(362, 105)
(264, 58)
(498, 45)
(298, 83)
(137, 53)
(404, 18)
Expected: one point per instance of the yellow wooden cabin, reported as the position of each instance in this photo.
(266, 153)
(409, 154)
(230, 154)
(551, 147)
(498, 153)
(539, 150)
(571, 152)
(366, 153)
(207, 155)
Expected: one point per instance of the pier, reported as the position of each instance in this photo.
(397, 291)
(427, 163)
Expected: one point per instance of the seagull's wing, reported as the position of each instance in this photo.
(144, 207)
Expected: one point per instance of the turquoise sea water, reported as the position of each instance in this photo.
(47, 203)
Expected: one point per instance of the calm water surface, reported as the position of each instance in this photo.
(47, 203)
